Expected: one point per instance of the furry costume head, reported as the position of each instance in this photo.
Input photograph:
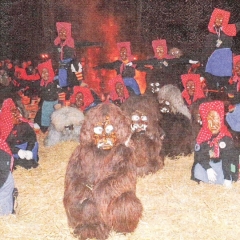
(147, 134)
(65, 125)
(146, 106)
(170, 98)
(97, 115)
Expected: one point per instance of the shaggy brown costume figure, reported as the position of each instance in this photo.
(147, 143)
(176, 122)
(100, 185)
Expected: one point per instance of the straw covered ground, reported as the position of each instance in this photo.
(174, 206)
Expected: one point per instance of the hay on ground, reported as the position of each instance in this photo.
(174, 206)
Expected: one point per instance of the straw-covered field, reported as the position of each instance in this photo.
(174, 206)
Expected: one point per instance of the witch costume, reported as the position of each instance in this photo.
(217, 53)
(214, 153)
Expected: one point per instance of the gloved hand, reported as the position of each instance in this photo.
(193, 62)
(29, 155)
(227, 183)
(22, 153)
(212, 175)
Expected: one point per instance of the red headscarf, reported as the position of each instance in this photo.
(47, 65)
(6, 118)
(205, 134)
(162, 43)
(228, 29)
(198, 89)
(69, 40)
(235, 78)
(112, 88)
(87, 95)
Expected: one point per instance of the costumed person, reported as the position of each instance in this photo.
(100, 180)
(118, 92)
(192, 88)
(217, 53)
(234, 82)
(175, 122)
(161, 68)
(66, 124)
(48, 94)
(65, 62)
(7, 191)
(83, 98)
(147, 135)
(215, 156)
(125, 67)
(19, 135)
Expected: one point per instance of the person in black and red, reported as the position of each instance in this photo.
(215, 156)
(19, 135)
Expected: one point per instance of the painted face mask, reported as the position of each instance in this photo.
(165, 106)
(139, 122)
(104, 135)
(155, 87)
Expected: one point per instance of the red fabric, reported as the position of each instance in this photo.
(22, 74)
(112, 88)
(6, 118)
(228, 29)
(47, 65)
(198, 88)
(163, 43)
(87, 96)
(69, 40)
(205, 134)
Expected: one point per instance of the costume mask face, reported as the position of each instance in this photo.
(214, 123)
(160, 52)
(165, 106)
(104, 135)
(79, 100)
(190, 87)
(45, 74)
(218, 20)
(139, 122)
(237, 68)
(123, 53)
(119, 89)
(175, 52)
(63, 34)
(155, 87)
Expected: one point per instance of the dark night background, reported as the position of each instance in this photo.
(28, 26)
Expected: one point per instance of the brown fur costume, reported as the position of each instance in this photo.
(176, 122)
(100, 184)
(147, 144)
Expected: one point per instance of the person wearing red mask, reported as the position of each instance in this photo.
(124, 66)
(65, 62)
(217, 50)
(215, 156)
(192, 88)
(19, 134)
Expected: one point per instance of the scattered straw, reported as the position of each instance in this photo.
(175, 208)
